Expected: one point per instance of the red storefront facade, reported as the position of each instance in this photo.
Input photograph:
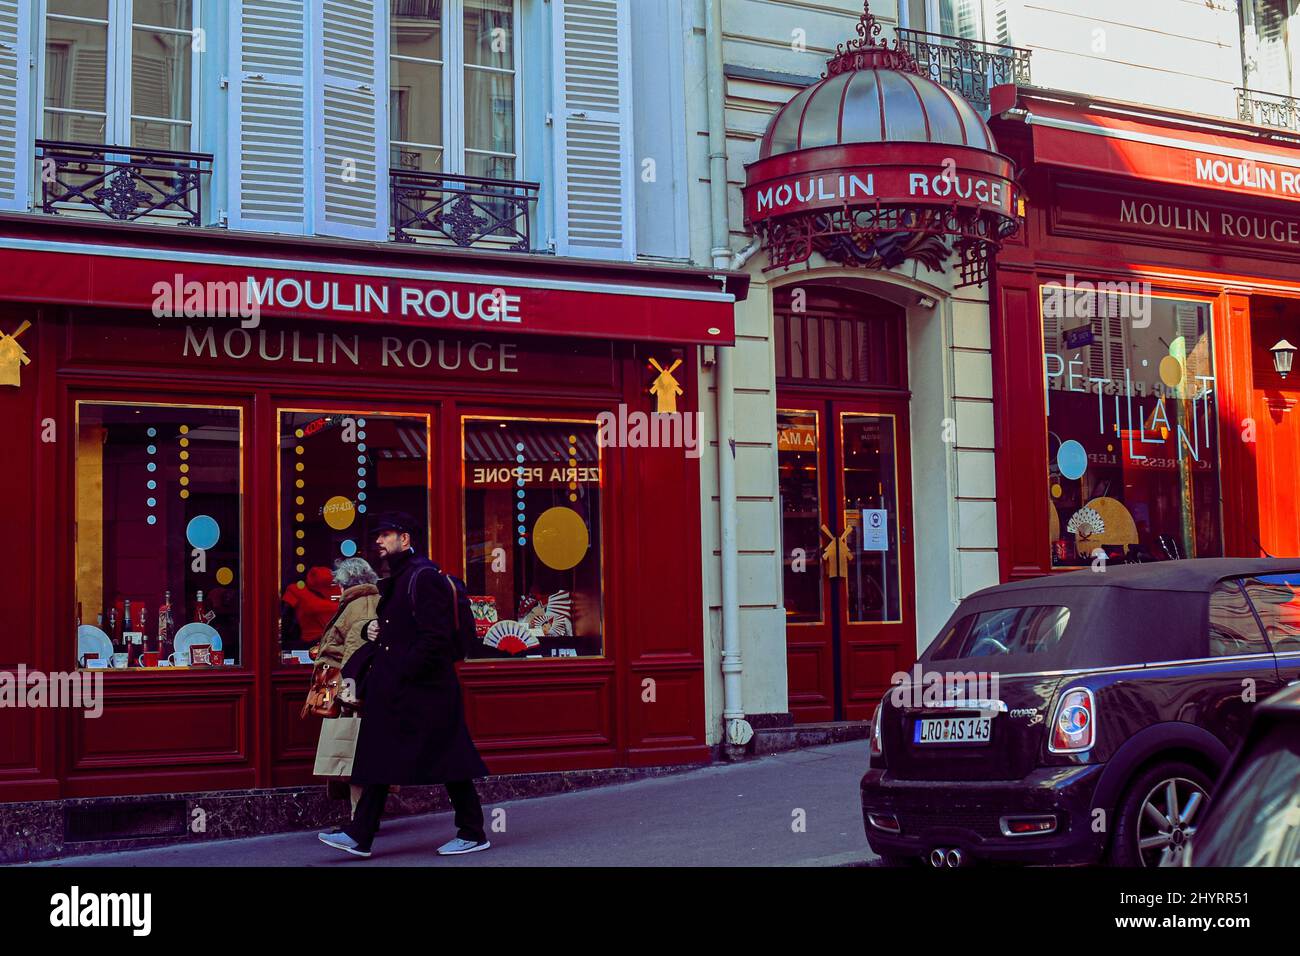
(1138, 408)
(153, 456)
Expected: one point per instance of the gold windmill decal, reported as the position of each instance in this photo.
(12, 356)
(665, 388)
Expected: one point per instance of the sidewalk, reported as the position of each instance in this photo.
(722, 815)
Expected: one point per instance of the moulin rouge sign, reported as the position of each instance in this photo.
(883, 174)
(167, 283)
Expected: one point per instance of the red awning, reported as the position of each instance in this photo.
(1180, 151)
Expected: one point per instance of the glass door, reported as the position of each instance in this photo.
(845, 489)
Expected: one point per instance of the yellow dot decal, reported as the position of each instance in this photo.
(299, 467)
(299, 500)
(225, 576)
(1056, 491)
(185, 480)
(185, 456)
(302, 568)
(302, 584)
(185, 429)
(184, 468)
(298, 450)
(560, 538)
(298, 517)
(573, 439)
(300, 483)
(573, 497)
(340, 512)
(300, 533)
(184, 493)
(1171, 371)
(300, 551)
(573, 486)
(298, 433)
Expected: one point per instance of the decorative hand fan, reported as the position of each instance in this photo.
(510, 636)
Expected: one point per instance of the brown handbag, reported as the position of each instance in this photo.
(323, 698)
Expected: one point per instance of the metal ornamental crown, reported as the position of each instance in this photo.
(869, 53)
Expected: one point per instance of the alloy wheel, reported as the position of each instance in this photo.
(1168, 820)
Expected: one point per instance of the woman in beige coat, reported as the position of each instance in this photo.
(346, 632)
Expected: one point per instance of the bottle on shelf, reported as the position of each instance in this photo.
(201, 613)
(126, 617)
(142, 625)
(165, 625)
(114, 636)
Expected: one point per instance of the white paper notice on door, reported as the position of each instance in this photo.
(875, 529)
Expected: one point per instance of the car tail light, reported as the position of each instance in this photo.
(1028, 826)
(877, 743)
(884, 821)
(1074, 726)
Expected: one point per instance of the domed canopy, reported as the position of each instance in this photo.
(875, 106)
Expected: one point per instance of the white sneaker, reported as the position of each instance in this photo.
(458, 846)
(341, 841)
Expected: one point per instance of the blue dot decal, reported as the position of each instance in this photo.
(151, 484)
(152, 466)
(151, 502)
(522, 541)
(153, 432)
(152, 519)
(361, 508)
(361, 459)
(348, 547)
(202, 532)
(152, 449)
(1071, 459)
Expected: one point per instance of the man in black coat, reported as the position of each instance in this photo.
(413, 722)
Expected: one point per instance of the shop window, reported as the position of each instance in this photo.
(1132, 423)
(1276, 598)
(801, 518)
(532, 493)
(338, 470)
(158, 535)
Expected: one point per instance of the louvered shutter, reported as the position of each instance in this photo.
(593, 122)
(269, 144)
(1271, 71)
(15, 133)
(350, 174)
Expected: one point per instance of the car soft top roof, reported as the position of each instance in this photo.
(1193, 574)
(1130, 614)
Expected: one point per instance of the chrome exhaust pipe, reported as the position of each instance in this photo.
(937, 858)
(954, 858)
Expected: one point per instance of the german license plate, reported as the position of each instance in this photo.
(952, 730)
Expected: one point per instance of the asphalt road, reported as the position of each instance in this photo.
(793, 809)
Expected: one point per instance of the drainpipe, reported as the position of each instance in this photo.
(738, 730)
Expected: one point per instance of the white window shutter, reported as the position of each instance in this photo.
(350, 161)
(268, 120)
(593, 130)
(16, 150)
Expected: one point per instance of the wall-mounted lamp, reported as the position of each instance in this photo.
(1283, 355)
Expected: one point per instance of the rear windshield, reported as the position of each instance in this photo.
(1034, 629)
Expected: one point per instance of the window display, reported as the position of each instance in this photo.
(335, 468)
(158, 495)
(1132, 422)
(532, 537)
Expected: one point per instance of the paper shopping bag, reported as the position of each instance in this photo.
(338, 744)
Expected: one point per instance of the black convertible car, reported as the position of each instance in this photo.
(1081, 717)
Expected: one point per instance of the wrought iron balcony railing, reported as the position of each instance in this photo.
(1268, 109)
(463, 210)
(121, 182)
(969, 67)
